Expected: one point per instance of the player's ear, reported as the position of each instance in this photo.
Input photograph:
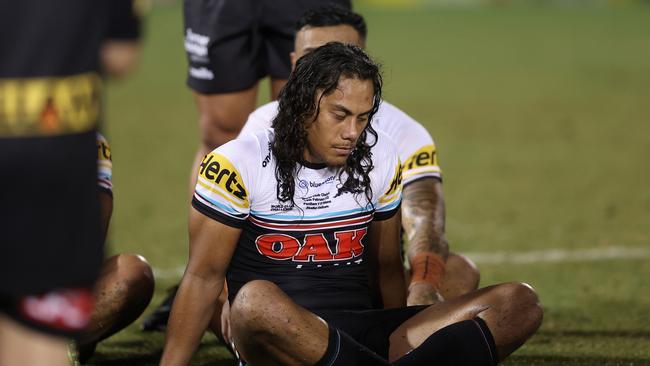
(293, 60)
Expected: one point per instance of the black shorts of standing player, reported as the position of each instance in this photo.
(49, 228)
(231, 44)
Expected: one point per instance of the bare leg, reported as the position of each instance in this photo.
(221, 118)
(276, 86)
(461, 276)
(20, 346)
(220, 322)
(265, 321)
(511, 311)
(123, 291)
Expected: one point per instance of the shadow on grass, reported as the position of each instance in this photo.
(131, 353)
(525, 360)
(143, 353)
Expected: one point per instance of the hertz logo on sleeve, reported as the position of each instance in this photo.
(219, 176)
(49, 106)
(396, 182)
(424, 157)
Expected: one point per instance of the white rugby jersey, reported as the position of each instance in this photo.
(416, 148)
(314, 251)
(104, 165)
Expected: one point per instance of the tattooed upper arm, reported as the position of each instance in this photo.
(423, 217)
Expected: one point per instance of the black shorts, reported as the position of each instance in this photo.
(371, 328)
(231, 44)
(49, 214)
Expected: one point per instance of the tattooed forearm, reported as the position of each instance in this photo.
(423, 217)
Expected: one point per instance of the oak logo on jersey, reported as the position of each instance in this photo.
(425, 156)
(218, 170)
(49, 106)
(314, 247)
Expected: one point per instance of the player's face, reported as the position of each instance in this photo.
(342, 117)
(310, 38)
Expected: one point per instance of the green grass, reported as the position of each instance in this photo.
(541, 116)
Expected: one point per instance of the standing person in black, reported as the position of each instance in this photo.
(51, 57)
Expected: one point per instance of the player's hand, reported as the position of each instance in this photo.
(423, 293)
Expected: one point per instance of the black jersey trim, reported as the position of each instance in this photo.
(438, 178)
(385, 215)
(209, 212)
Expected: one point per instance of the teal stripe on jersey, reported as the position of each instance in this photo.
(279, 216)
(220, 205)
(391, 206)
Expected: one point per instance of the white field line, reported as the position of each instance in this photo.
(558, 255)
(511, 257)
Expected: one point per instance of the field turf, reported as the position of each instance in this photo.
(542, 119)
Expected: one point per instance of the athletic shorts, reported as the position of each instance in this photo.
(49, 214)
(231, 44)
(371, 328)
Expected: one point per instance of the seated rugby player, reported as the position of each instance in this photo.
(125, 284)
(436, 273)
(303, 222)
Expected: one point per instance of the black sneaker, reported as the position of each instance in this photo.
(157, 321)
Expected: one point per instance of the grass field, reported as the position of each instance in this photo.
(542, 120)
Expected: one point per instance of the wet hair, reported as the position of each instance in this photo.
(317, 72)
(332, 15)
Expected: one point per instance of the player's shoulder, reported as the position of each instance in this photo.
(260, 118)
(268, 110)
(390, 118)
(248, 147)
(385, 147)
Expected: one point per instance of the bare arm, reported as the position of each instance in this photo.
(119, 57)
(211, 247)
(423, 209)
(386, 263)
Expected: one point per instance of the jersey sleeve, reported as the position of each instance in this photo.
(391, 189)
(416, 147)
(221, 191)
(104, 165)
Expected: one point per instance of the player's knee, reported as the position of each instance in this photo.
(135, 272)
(219, 128)
(255, 307)
(526, 301)
(465, 266)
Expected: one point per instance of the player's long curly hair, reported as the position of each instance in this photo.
(320, 71)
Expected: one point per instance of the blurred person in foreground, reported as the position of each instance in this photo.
(53, 54)
(303, 221)
(230, 46)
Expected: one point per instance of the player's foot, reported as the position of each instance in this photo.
(85, 352)
(157, 321)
